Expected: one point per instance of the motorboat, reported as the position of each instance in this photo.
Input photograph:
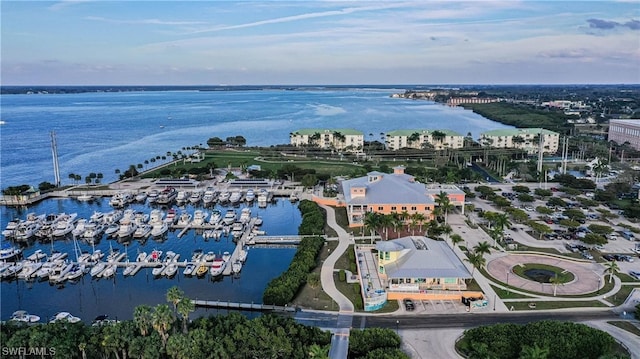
(29, 270)
(80, 227)
(258, 221)
(167, 196)
(127, 229)
(8, 251)
(152, 196)
(229, 217)
(209, 256)
(171, 269)
(185, 219)
(129, 269)
(171, 216)
(209, 196)
(60, 272)
(62, 228)
(10, 228)
(189, 269)
(77, 271)
(121, 199)
(158, 270)
(197, 255)
(215, 217)
(155, 256)
(245, 215)
(226, 256)
(98, 269)
(97, 255)
(85, 197)
(64, 317)
(199, 217)
(195, 198)
(183, 196)
(97, 217)
(235, 197)
(140, 218)
(242, 255)
(112, 229)
(37, 255)
(94, 230)
(113, 217)
(23, 316)
(224, 197)
(202, 270)
(143, 231)
(159, 229)
(250, 196)
(236, 267)
(156, 217)
(45, 270)
(57, 256)
(141, 197)
(12, 270)
(26, 230)
(109, 271)
(142, 256)
(293, 197)
(263, 197)
(218, 266)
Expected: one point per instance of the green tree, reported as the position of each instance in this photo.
(477, 260)
(372, 222)
(319, 352)
(443, 204)
(142, 316)
(185, 307)
(161, 320)
(611, 268)
(174, 296)
(309, 180)
(456, 239)
(482, 248)
(534, 352)
(555, 282)
(313, 281)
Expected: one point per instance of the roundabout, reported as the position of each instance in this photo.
(581, 277)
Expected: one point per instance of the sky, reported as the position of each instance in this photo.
(83, 42)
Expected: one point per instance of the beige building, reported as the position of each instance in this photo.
(339, 139)
(523, 138)
(622, 131)
(438, 139)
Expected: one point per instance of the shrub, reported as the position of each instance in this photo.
(342, 275)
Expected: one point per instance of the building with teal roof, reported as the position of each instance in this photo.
(338, 138)
(528, 139)
(421, 138)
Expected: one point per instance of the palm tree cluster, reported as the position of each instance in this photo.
(476, 258)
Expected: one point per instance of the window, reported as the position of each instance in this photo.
(380, 208)
(387, 256)
(414, 208)
(393, 208)
(404, 208)
(380, 255)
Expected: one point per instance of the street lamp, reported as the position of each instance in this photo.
(507, 277)
(599, 280)
(397, 327)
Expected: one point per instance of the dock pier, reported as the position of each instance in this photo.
(242, 306)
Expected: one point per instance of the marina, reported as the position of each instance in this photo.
(120, 273)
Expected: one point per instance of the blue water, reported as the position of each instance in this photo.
(118, 296)
(102, 132)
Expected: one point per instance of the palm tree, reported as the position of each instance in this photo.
(184, 307)
(534, 352)
(477, 260)
(456, 238)
(372, 221)
(386, 221)
(175, 295)
(611, 268)
(444, 204)
(142, 318)
(318, 352)
(482, 248)
(555, 281)
(161, 320)
(420, 218)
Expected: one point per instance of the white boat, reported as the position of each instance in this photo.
(129, 269)
(242, 255)
(64, 317)
(59, 273)
(197, 255)
(84, 257)
(26, 230)
(94, 230)
(218, 266)
(189, 268)
(141, 197)
(97, 255)
(29, 270)
(57, 256)
(195, 198)
(97, 217)
(159, 229)
(12, 270)
(152, 196)
(209, 196)
(226, 256)
(155, 256)
(250, 196)
(8, 252)
(113, 217)
(235, 197)
(109, 271)
(185, 219)
(121, 199)
(64, 225)
(85, 197)
(167, 196)
(156, 217)
(224, 197)
(171, 269)
(142, 256)
(37, 255)
(245, 215)
(46, 270)
(199, 217)
(140, 218)
(11, 227)
(76, 272)
(158, 270)
(293, 197)
(127, 229)
(80, 227)
(229, 217)
(143, 231)
(98, 269)
(171, 216)
(263, 197)
(23, 316)
(183, 196)
(215, 217)
(236, 267)
(258, 221)
(209, 256)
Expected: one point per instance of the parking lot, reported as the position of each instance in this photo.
(435, 307)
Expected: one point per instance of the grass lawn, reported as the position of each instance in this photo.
(627, 278)
(316, 298)
(622, 294)
(626, 326)
(554, 305)
(507, 294)
(562, 275)
(548, 250)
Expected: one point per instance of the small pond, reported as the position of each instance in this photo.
(539, 275)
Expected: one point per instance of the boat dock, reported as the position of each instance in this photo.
(284, 240)
(242, 306)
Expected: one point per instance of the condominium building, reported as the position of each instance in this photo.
(438, 139)
(622, 131)
(527, 139)
(339, 139)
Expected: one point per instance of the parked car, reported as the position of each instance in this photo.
(628, 235)
(635, 274)
(408, 304)
(587, 255)
(609, 257)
